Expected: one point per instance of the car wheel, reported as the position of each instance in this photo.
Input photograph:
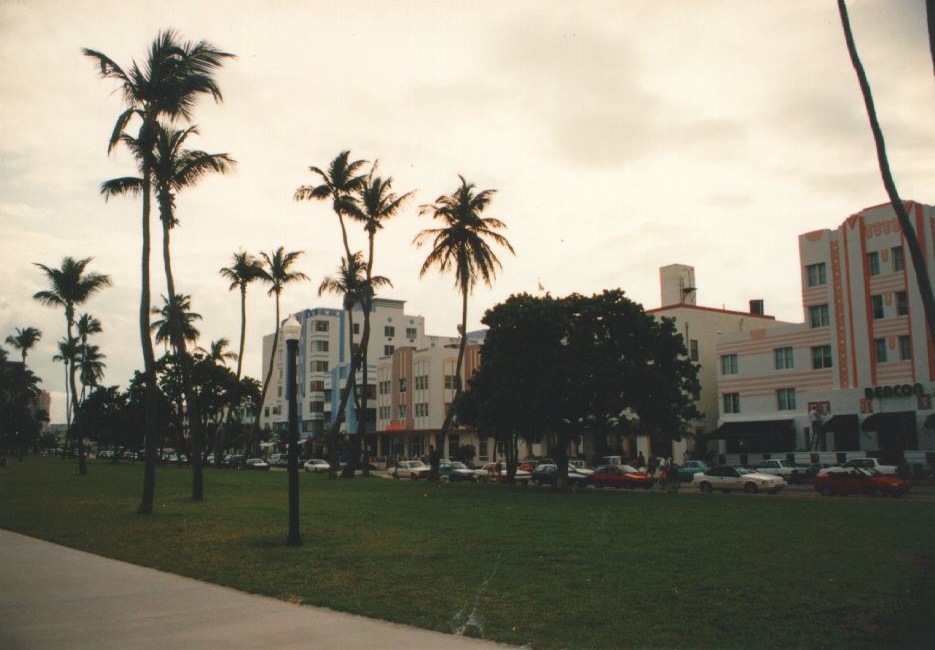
(413, 476)
(750, 488)
(826, 491)
(706, 488)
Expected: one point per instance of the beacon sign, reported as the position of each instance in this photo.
(899, 390)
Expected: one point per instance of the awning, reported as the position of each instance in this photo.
(752, 429)
(895, 421)
(841, 423)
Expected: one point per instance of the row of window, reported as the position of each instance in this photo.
(821, 356)
(420, 382)
(785, 401)
(419, 410)
(389, 331)
(816, 275)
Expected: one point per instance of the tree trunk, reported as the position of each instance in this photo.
(912, 241)
(151, 400)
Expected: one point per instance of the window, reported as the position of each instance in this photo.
(879, 346)
(693, 349)
(783, 358)
(327, 395)
(402, 385)
(818, 316)
(389, 331)
(316, 407)
(785, 399)
(319, 366)
(320, 346)
(732, 402)
(873, 263)
(402, 411)
(729, 364)
(356, 328)
(388, 350)
(905, 348)
(815, 275)
(422, 382)
(411, 332)
(821, 357)
(321, 326)
(876, 304)
(902, 303)
(316, 386)
(899, 260)
(450, 382)
(422, 410)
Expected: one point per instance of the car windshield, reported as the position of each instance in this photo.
(628, 469)
(743, 470)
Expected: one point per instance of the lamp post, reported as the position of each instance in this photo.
(291, 330)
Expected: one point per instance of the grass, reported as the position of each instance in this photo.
(586, 569)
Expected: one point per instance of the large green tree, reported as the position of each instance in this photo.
(166, 86)
(19, 416)
(461, 246)
(71, 285)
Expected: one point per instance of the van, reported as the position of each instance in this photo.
(279, 460)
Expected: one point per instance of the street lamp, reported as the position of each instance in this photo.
(291, 330)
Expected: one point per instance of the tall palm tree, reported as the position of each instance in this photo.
(339, 183)
(71, 286)
(68, 351)
(88, 368)
(378, 204)
(181, 309)
(461, 246)
(166, 85)
(277, 273)
(244, 270)
(905, 223)
(24, 340)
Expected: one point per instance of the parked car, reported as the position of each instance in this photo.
(580, 466)
(316, 465)
(621, 476)
(871, 463)
(792, 473)
(529, 464)
(235, 461)
(412, 469)
(256, 463)
(689, 468)
(548, 475)
(497, 472)
(452, 470)
(279, 460)
(727, 477)
(856, 480)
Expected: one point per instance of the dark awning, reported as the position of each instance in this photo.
(752, 429)
(841, 423)
(885, 422)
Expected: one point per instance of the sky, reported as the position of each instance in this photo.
(620, 136)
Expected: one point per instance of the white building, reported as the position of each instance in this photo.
(860, 366)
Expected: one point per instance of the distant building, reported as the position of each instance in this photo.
(858, 375)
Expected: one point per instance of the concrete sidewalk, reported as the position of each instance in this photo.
(53, 597)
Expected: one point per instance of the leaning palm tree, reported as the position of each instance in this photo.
(71, 286)
(461, 246)
(277, 273)
(378, 204)
(24, 339)
(244, 270)
(916, 253)
(165, 86)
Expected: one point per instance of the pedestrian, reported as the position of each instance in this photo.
(640, 461)
(652, 464)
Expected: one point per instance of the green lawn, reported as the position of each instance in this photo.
(589, 569)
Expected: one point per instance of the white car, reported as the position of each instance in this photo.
(872, 463)
(316, 465)
(776, 467)
(726, 477)
(488, 472)
(411, 469)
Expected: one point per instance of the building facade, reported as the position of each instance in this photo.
(857, 376)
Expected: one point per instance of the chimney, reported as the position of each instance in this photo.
(756, 307)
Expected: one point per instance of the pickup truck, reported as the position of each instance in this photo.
(871, 463)
(792, 473)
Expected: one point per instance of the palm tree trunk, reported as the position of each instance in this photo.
(178, 342)
(912, 240)
(151, 400)
(269, 373)
(82, 466)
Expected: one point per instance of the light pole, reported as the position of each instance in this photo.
(291, 330)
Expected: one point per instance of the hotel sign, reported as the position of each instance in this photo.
(899, 390)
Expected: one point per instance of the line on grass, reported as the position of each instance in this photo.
(461, 624)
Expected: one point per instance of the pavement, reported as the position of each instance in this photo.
(53, 597)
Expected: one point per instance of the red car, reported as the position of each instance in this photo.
(852, 480)
(623, 476)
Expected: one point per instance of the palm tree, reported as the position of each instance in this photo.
(68, 351)
(378, 204)
(276, 272)
(905, 223)
(461, 246)
(243, 270)
(88, 325)
(71, 286)
(166, 86)
(24, 339)
(162, 327)
(218, 353)
(339, 183)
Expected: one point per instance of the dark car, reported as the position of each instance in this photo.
(455, 471)
(235, 461)
(621, 476)
(855, 480)
(546, 474)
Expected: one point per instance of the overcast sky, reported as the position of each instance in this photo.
(620, 136)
